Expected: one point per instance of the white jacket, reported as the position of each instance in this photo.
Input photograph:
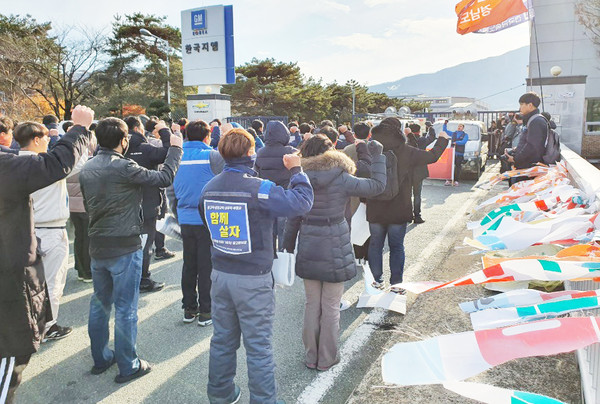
(51, 204)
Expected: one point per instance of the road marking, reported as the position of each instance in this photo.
(318, 388)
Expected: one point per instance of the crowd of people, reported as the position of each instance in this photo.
(239, 196)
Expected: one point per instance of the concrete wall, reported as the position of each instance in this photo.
(563, 42)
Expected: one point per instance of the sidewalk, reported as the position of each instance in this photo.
(437, 313)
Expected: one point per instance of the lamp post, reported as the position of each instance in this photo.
(145, 32)
(353, 104)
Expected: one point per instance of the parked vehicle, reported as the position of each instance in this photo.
(476, 148)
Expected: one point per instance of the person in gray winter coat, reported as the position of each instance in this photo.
(325, 258)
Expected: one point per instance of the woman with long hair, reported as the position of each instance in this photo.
(325, 258)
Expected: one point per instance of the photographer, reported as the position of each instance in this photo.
(531, 147)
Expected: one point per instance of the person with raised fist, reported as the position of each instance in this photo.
(112, 188)
(24, 303)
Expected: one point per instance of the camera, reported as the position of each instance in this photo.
(504, 157)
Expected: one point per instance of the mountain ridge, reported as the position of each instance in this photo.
(491, 80)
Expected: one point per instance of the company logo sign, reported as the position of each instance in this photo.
(199, 22)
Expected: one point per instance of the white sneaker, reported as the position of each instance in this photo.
(344, 305)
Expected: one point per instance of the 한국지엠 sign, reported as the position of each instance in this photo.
(207, 46)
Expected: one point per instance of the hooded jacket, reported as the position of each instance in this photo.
(399, 210)
(325, 251)
(269, 159)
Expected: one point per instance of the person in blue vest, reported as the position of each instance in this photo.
(459, 140)
(199, 164)
(239, 210)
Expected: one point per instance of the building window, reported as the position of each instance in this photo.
(593, 116)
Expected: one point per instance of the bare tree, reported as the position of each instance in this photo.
(68, 68)
(588, 12)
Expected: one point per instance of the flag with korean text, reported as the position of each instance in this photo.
(489, 16)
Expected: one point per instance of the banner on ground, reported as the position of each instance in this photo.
(489, 16)
(455, 357)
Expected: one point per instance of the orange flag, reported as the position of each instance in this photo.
(488, 16)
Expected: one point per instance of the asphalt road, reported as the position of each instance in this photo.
(60, 371)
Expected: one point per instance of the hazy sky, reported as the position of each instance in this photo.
(372, 41)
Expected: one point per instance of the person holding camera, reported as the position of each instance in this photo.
(532, 141)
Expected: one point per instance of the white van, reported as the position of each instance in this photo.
(476, 148)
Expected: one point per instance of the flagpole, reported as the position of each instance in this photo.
(537, 49)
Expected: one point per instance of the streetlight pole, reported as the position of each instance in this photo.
(145, 32)
(353, 103)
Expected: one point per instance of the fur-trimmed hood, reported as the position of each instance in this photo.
(326, 167)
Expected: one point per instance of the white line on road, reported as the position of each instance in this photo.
(318, 388)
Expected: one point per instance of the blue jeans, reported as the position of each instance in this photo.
(395, 233)
(116, 280)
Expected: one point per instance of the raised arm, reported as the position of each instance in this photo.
(47, 168)
(161, 178)
(297, 200)
(368, 187)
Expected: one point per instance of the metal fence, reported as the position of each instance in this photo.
(246, 121)
(485, 116)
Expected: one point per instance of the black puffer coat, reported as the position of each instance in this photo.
(324, 249)
(399, 210)
(269, 159)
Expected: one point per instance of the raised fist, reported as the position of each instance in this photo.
(176, 141)
(160, 125)
(291, 160)
(82, 115)
(375, 148)
(175, 127)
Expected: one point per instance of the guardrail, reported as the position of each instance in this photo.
(587, 178)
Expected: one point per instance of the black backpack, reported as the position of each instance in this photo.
(392, 188)
(552, 145)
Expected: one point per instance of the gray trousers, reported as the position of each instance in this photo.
(242, 305)
(321, 322)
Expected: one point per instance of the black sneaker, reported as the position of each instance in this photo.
(57, 332)
(148, 285)
(189, 315)
(143, 370)
(418, 220)
(163, 255)
(204, 319)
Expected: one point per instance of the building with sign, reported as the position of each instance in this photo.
(567, 73)
(208, 59)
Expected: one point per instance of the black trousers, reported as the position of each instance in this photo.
(417, 187)
(11, 371)
(81, 244)
(159, 241)
(148, 228)
(458, 160)
(197, 266)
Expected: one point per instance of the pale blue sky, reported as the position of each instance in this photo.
(372, 41)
